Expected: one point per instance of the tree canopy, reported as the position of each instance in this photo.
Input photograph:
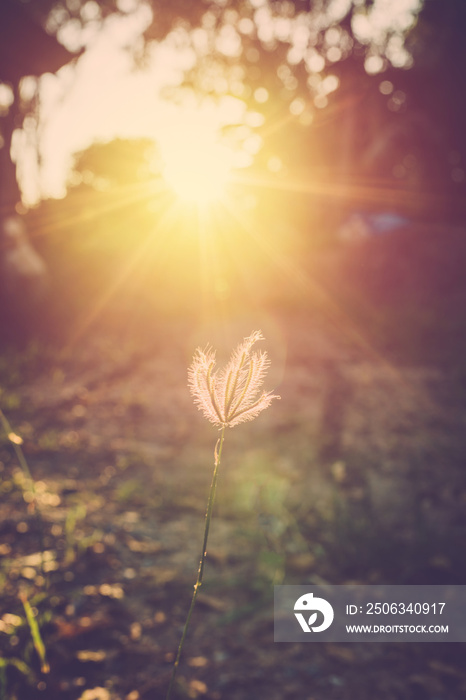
(300, 57)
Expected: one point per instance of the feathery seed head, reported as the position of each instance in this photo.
(230, 396)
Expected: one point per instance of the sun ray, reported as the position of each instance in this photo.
(156, 240)
(76, 213)
(359, 194)
(304, 283)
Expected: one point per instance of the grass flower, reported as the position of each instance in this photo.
(230, 396)
(226, 397)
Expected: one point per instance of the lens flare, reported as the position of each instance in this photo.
(197, 165)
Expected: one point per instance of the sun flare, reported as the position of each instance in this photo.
(196, 173)
(196, 165)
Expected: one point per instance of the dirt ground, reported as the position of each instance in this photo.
(356, 475)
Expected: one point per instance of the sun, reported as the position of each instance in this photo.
(197, 172)
(196, 165)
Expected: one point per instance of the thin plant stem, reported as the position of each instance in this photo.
(33, 506)
(197, 585)
(19, 453)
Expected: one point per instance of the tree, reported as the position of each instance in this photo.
(268, 53)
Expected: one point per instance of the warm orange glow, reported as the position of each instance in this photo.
(196, 165)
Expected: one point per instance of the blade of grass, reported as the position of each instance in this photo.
(33, 506)
(39, 645)
(16, 441)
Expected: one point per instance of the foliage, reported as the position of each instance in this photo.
(238, 46)
(320, 64)
(116, 163)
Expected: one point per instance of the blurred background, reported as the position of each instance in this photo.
(175, 174)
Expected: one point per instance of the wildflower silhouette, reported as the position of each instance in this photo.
(226, 397)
